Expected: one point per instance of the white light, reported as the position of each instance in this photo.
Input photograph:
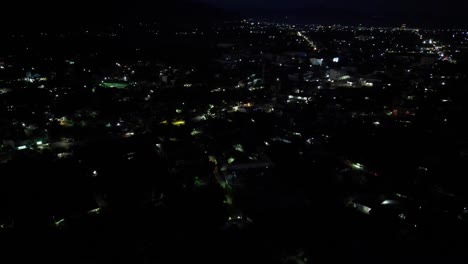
(387, 202)
(357, 166)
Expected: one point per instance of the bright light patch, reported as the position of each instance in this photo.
(114, 85)
(196, 132)
(178, 123)
(94, 211)
(357, 166)
(388, 202)
(239, 148)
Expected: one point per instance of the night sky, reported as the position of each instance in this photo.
(417, 12)
(447, 5)
(412, 12)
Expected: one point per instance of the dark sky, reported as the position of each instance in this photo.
(435, 11)
(258, 3)
(348, 4)
(34, 14)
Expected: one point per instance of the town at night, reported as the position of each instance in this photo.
(234, 132)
